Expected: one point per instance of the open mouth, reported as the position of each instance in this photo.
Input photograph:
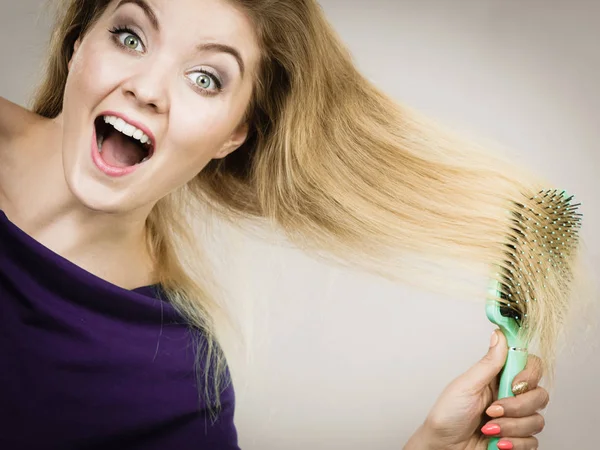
(121, 144)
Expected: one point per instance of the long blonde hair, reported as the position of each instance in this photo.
(345, 172)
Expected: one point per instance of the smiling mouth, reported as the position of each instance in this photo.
(121, 144)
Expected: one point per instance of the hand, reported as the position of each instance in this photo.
(462, 412)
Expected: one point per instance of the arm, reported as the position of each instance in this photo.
(421, 440)
(12, 118)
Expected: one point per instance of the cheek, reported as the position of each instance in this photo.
(202, 133)
(92, 73)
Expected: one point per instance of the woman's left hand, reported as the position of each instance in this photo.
(517, 418)
(466, 415)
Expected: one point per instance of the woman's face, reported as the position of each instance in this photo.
(156, 89)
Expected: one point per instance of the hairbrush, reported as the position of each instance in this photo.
(540, 247)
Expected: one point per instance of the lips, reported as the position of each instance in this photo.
(134, 123)
(108, 169)
(137, 135)
(120, 144)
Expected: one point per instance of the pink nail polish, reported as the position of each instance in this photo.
(490, 429)
(505, 445)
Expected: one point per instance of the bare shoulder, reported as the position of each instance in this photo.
(14, 120)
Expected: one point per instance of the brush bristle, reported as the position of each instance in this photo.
(541, 245)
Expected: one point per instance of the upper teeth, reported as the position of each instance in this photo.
(127, 129)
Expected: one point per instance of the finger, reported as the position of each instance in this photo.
(522, 405)
(529, 377)
(522, 427)
(529, 443)
(482, 373)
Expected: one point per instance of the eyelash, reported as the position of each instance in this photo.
(119, 29)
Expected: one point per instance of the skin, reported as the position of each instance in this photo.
(466, 405)
(95, 220)
(51, 189)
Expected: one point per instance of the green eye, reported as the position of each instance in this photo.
(126, 37)
(131, 41)
(207, 82)
(203, 81)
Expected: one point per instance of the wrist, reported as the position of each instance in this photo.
(422, 439)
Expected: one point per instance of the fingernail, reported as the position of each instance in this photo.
(494, 339)
(491, 429)
(520, 388)
(495, 411)
(505, 445)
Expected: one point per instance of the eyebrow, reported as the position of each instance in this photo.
(223, 48)
(146, 8)
(209, 46)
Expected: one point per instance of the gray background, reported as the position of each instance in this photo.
(348, 361)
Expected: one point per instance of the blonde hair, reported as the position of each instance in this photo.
(345, 172)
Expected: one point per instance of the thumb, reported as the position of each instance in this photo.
(487, 368)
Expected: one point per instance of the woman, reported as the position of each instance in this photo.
(151, 109)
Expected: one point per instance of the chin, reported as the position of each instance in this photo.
(97, 197)
(96, 183)
(95, 191)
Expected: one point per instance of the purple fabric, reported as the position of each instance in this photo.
(85, 364)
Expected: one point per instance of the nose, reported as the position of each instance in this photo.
(148, 88)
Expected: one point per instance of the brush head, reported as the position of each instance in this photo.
(540, 248)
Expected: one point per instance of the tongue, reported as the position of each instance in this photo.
(120, 151)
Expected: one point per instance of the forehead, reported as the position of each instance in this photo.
(192, 22)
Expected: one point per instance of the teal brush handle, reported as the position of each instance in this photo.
(515, 363)
(517, 350)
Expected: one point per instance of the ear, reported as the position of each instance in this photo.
(236, 139)
(75, 48)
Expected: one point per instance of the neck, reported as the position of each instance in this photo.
(35, 196)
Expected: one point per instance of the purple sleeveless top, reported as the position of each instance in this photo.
(85, 364)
